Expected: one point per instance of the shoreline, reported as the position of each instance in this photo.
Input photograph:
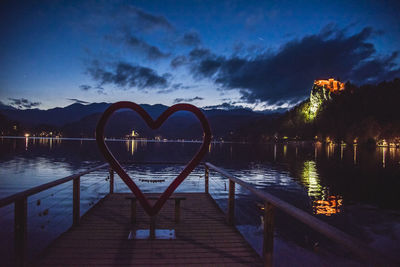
(285, 142)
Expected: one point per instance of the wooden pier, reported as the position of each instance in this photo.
(202, 237)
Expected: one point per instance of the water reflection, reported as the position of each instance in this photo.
(355, 154)
(316, 146)
(329, 206)
(330, 150)
(341, 151)
(384, 151)
(392, 152)
(322, 202)
(311, 180)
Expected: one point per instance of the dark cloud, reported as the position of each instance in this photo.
(187, 100)
(200, 53)
(174, 87)
(99, 89)
(146, 21)
(75, 100)
(178, 61)
(287, 75)
(166, 91)
(152, 52)
(125, 75)
(383, 68)
(177, 86)
(85, 87)
(191, 38)
(22, 103)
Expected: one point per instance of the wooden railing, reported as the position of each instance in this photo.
(368, 254)
(21, 208)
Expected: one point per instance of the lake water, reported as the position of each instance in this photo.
(353, 188)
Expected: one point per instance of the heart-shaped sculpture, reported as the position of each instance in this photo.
(153, 124)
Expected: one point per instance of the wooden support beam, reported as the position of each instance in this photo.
(76, 201)
(20, 231)
(206, 174)
(268, 238)
(231, 203)
(111, 173)
(153, 227)
(177, 210)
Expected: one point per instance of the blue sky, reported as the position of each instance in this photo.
(257, 54)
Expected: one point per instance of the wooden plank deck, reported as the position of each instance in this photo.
(202, 237)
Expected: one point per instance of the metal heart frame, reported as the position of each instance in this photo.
(153, 124)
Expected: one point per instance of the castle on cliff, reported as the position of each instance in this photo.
(322, 91)
(331, 84)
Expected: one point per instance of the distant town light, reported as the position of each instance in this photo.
(27, 135)
(134, 134)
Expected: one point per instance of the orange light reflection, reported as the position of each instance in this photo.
(328, 207)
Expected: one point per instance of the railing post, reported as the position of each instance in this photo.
(20, 233)
(76, 201)
(133, 210)
(111, 172)
(268, 242)
(206, 174)
(231, 203)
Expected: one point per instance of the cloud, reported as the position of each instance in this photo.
(152, 52)
(191, 38)
(174, 87)
(178, 61)
(287, 74)
(98, 88)
(177, 86)
(200, 53)
(125, 75)
(187, 100)
(224, 106)
(146, 21)
(23, 103)
(85, 87)
(75, 100)
(383, 68)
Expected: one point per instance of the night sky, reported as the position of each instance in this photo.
(257, 54)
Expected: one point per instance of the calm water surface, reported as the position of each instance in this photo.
(354, 188)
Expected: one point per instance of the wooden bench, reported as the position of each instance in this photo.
(153, 218)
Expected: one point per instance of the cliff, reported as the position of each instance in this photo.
(322, 91)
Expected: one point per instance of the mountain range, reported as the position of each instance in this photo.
(79, 120)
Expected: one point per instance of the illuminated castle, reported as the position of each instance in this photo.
(331, 84)
(322, 91)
